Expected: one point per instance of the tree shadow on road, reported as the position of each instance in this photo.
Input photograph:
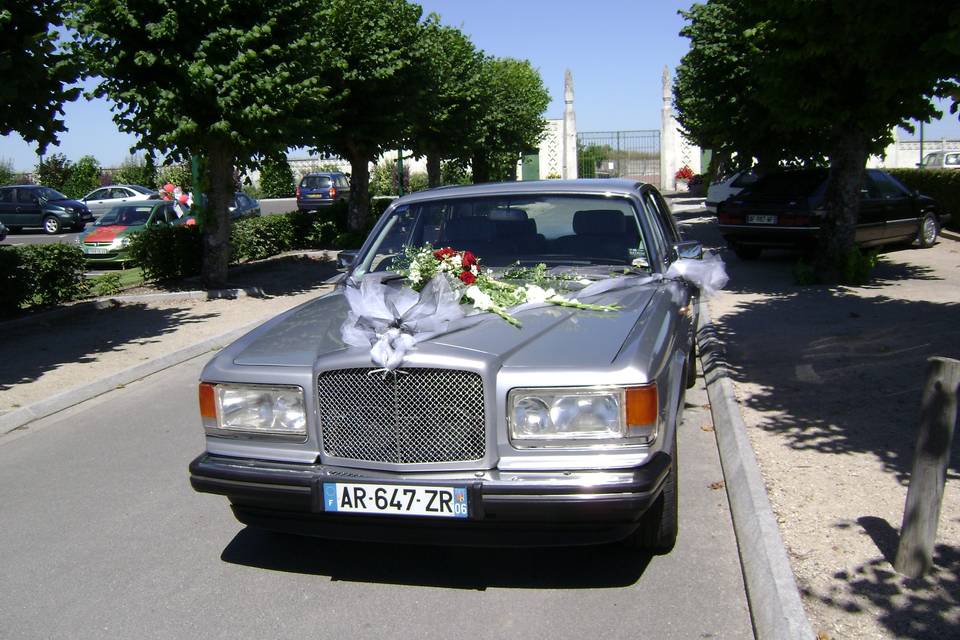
(278, 276)
(449, 567)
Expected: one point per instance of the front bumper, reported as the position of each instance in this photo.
(510, 509)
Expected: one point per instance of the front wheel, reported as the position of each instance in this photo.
(51, 225)
(929, 230)
(658, 528)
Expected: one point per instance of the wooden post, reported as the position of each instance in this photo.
(938, 418)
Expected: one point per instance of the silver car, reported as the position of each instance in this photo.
(561, 430)
(101, 200)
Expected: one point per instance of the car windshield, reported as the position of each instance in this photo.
(50, 194)
(555, 230)
(316, 182)
(127, 216)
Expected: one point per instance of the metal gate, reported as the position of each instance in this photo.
(619, 154)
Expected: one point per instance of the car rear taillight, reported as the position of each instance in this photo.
(333, 192)
(725, 217)
(298, 192)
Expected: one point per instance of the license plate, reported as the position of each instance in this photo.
(96, 250)
(395, 499)
(314, 195)
(761, 219)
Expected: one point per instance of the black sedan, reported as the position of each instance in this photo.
(785, 210)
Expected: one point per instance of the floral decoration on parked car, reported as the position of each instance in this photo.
(685, 173)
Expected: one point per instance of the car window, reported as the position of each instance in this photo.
(932, 159)
(745, 179)
(99, 194)
(886, 188)
(6, 195)
(316, 182)
(26, 196)
(140, 189)
(129, 216)
(951, 159)
(788, 184)
(342, 182)
(118, 192)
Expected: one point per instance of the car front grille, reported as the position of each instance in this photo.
(411, 416)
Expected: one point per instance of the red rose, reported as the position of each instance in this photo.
(467, 278)
(446, 252)
(469, 259)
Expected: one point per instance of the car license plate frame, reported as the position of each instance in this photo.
(412, 500)
(761, 219)
(97, 251)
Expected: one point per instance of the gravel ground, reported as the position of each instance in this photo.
(829, 383)
(54, 355)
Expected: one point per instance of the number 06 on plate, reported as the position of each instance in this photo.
(395, 499)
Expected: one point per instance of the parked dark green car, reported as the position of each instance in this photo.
(31, 205)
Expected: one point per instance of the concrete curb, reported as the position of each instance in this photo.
(16, 419)
(950, 235)
(775, 606)
(116, 301)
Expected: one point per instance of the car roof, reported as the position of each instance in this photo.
(324, 173)
(586, 186)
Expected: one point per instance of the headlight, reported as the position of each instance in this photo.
(584, 416)
(266, 409)
(120, 243)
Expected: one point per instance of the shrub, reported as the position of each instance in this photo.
(258, 238)
(84, 178)
(137, 170)
(943, 185)
(14, 281)
(454, 172)
(418, 181)
(179, 175)
(54, 171)
(7, 174)
(109, 284)
(276, 179)
(168, 252)
(55, 273)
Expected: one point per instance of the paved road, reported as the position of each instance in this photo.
(102, 536)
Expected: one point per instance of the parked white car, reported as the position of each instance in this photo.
(941, 160)
(101, 200)
(731, 186)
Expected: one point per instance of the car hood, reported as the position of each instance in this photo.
(69, 204)
(550, 336)
(108, 233)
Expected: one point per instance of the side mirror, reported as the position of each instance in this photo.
(346, 258)
(688, 250)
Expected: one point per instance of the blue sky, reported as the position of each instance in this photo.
(616, 50)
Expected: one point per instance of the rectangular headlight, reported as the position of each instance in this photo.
(266, 409)
(582, 416)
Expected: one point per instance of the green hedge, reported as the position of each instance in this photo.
(943, 185)
(41, 275)
(168, 252)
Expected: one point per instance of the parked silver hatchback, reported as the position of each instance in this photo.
(501, 364)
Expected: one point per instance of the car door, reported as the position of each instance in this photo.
(29, 213)
(8, 206)
(343, 187)
(98, 201)
(901, 217)
(871, 219)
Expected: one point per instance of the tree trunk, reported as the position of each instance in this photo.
(359, 191)
(433, 169)
(481, 169)
(216, 228)
(848, 160)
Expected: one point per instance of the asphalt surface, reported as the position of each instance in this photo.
(102, 536)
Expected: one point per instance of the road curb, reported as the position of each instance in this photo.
(950, 235)
(16, 419)
(775, 605)
(118, 300)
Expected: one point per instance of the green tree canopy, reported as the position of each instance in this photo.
(276, 178)
(84, 177)
(512, 102)
(230, 80)
(830, 78)
(449, 100)
(36, 71)
(54, 171)
(376, 49)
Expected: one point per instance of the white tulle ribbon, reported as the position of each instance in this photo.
(392, 320)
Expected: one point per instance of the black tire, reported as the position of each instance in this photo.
(929, 231)
(692, 367)
(747, 252)
(51, 225)
(80, 227)
(657, 533)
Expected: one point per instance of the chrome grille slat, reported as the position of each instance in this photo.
(415, 416)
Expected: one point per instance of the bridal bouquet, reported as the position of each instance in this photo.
(477, 287)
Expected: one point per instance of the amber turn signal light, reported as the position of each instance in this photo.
(208, 402)
(642, 405)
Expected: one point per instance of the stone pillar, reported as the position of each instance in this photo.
(569, 129)
(668, 168)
